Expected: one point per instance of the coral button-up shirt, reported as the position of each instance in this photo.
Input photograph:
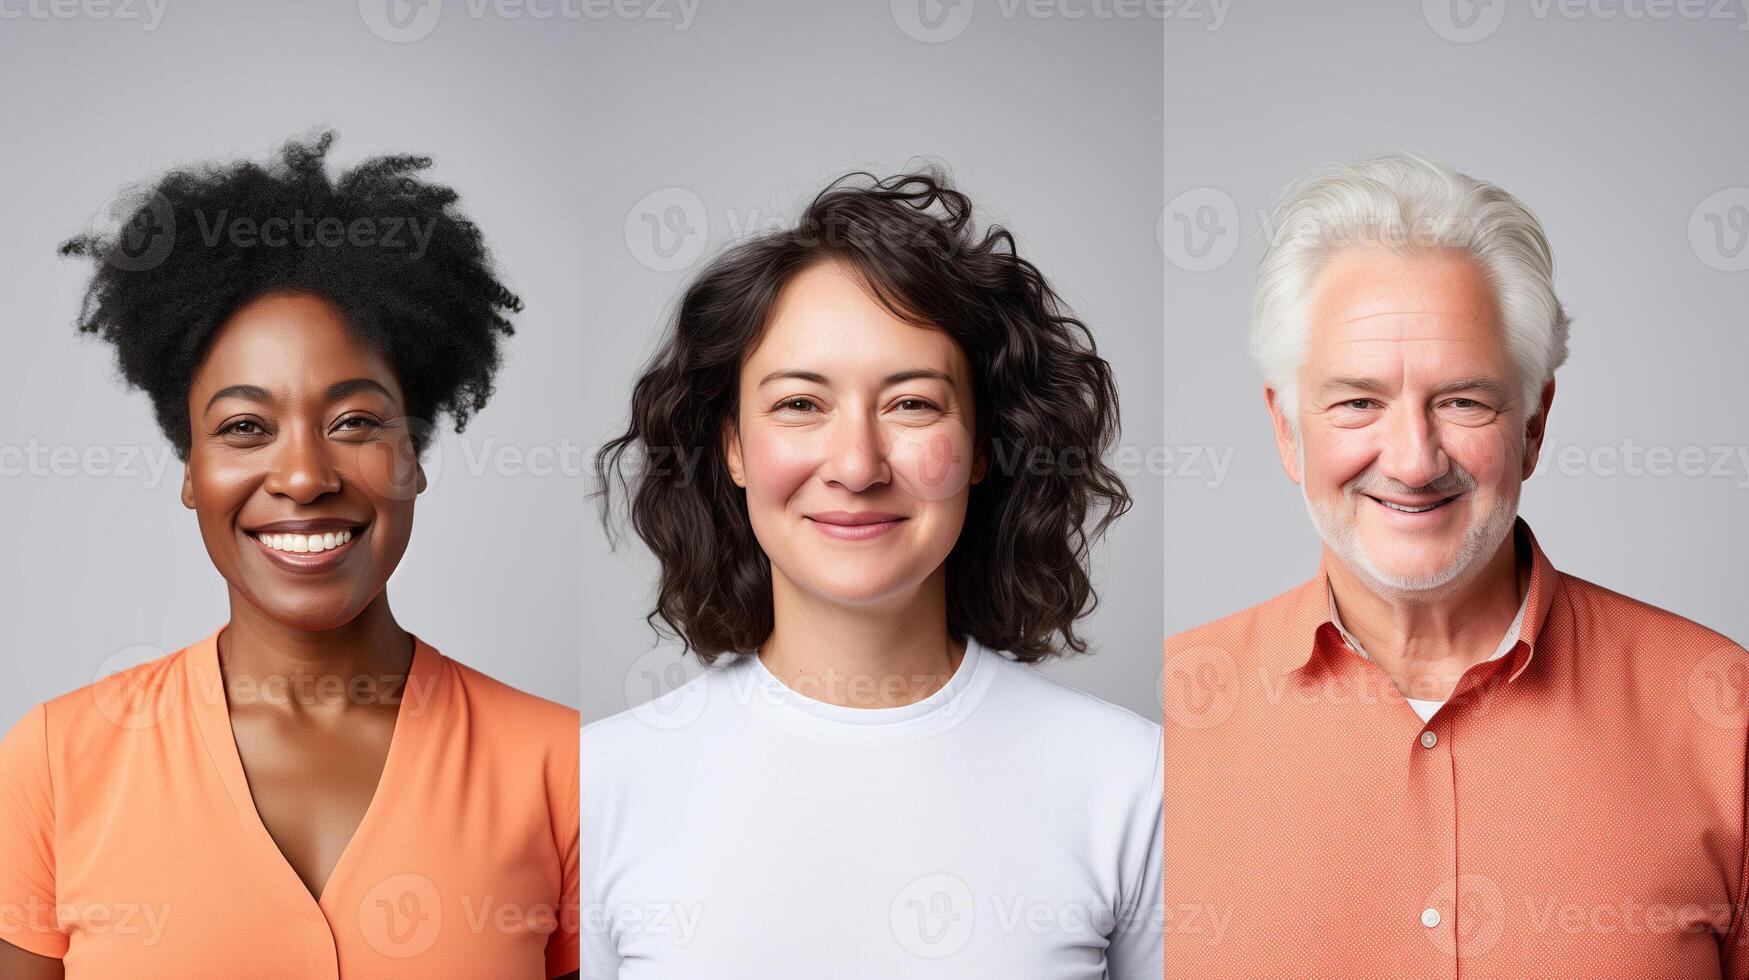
(1575, 809)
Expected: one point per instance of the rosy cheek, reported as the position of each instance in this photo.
(1481, 451)
(776, 463)
(1336, 456)
(932, 465)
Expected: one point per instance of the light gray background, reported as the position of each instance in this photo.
(98, 564)
(1616, 131)
(1051, 124)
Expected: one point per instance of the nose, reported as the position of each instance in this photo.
(856, 454)
(1412, 453)
(300, 468)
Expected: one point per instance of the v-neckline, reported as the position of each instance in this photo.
(212, 713)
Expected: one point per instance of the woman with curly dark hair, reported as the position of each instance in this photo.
(869, 459)
(311, 790)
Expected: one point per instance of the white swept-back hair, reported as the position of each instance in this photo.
(1404, 201)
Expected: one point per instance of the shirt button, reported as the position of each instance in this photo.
(1428, 741)
(1430, 917)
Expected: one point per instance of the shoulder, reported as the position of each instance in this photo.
(69, 741)
(522, 717)
(120, 703)
(1635, 622)
(1068, 731)
(1049, 733)
(1071, 710)
(670, 719)
(1654, 647)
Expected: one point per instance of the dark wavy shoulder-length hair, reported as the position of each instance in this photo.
(1046, 412)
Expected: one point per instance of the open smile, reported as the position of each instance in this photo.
(314, 550)
(1412, 508)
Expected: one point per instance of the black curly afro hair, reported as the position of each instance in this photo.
(410, 274)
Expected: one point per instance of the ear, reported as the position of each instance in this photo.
(1284, 436)
(419, 475)
(1535, 429)
(980, 465)
(187, 487)
(731, 438)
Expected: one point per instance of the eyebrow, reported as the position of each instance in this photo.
(1491, 386)
(891, 379)
(339, 389)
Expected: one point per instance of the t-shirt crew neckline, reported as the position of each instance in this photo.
(944, 708)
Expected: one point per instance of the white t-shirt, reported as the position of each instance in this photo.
(1007, 827)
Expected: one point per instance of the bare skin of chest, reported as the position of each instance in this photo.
(313, 780)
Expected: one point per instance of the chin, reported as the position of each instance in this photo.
(315, 618)
(1415, 576)
(864, 590)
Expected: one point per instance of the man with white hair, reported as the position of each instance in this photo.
(1440, 756)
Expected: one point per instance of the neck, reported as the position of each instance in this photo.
(361, 664)
(1424, 643)
(881, 655)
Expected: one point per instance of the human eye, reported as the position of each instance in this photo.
(1467, 411)
(242, 430)
(357, 423)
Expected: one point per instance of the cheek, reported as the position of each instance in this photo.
(219, 492)
(775, 463)
(1336, 456)
(1486, 453)
(387, 470)
(932, 464)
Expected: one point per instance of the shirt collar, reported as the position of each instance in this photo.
(1312, 615)
(1507, 642)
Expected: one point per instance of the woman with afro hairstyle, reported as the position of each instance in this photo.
(311, 790)
(868, 457)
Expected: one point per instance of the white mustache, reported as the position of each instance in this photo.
(1454, 482)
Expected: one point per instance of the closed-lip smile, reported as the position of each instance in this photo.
(859, 525)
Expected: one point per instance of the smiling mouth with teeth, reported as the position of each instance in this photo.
(1402, 509)
(302, 544)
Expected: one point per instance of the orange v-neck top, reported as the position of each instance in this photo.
(130, 844)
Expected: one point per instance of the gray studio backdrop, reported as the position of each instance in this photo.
(104, 565)
(728, 125)
(1621, 126)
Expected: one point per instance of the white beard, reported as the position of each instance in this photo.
(1341, 533)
